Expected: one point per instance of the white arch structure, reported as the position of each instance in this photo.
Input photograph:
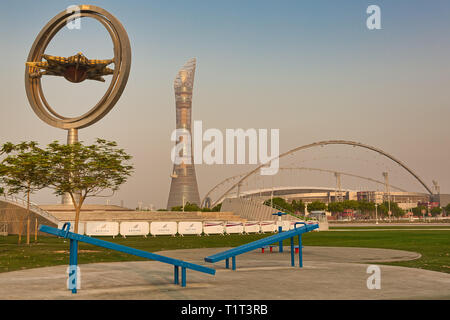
(323, 143)
(302, 168)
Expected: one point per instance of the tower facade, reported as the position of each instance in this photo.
(183, 187)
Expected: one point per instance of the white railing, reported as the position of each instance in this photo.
(3, 229)
(33, 207)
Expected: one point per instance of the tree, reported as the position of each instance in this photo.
(350, 204)
(366, 206)
(316, 206)
(335, 207)
(5, 148)
(447, 209)
(436, 211)
(395, 209)
(23, 171)
(417, 211)
(280, 204)
(298, 206)
(188, 207)
(86, 171)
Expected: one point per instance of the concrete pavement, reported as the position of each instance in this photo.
(328, 273)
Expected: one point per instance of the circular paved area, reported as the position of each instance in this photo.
(328, 273)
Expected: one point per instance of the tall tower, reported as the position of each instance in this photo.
(183, 187)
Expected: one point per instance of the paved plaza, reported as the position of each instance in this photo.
(328, 273)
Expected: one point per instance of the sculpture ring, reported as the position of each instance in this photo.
(121, 60)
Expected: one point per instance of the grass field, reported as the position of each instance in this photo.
(433, 245)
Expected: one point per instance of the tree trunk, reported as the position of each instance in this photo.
(77, 210)
(77, 218)
(35, 229)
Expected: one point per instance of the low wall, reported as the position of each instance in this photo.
(15, 219)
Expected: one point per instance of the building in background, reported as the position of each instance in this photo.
(183, 187)
(405, 200)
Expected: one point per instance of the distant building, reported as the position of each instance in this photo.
(183, 187)
(442, 199)
(405, 200)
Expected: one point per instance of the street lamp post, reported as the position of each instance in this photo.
(376, 213)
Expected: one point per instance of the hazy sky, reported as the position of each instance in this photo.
(309, 68)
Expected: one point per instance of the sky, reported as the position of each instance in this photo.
(311, 69)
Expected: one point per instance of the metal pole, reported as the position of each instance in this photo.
(183, 276)
(292, 252)
(72, 138)
(376, 213)
(300, 250)
(73, 264)
(280, 243)
(386, 180)
(176, 275)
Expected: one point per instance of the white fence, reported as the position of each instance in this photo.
(81, 226)
(234, 227)
(268, 226)
(285, 225)
(159, 228)
(252, 227)
(185, 227)
(102, 228)
(163, 228)
(134, 228)
(213, 227)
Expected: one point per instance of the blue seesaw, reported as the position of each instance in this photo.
(73, 260)
(279, 237)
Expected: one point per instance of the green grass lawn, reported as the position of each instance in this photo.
(434, 245)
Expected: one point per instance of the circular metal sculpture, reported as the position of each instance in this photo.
(77, 68)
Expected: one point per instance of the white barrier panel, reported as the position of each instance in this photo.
(285, 225)
(72, 226)
(163, 228)
(213, 227)
(185, 227)
(134, 228)
(234, 227)
(102, 228)
(252, 227)
(292, 226)
(268, 226)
